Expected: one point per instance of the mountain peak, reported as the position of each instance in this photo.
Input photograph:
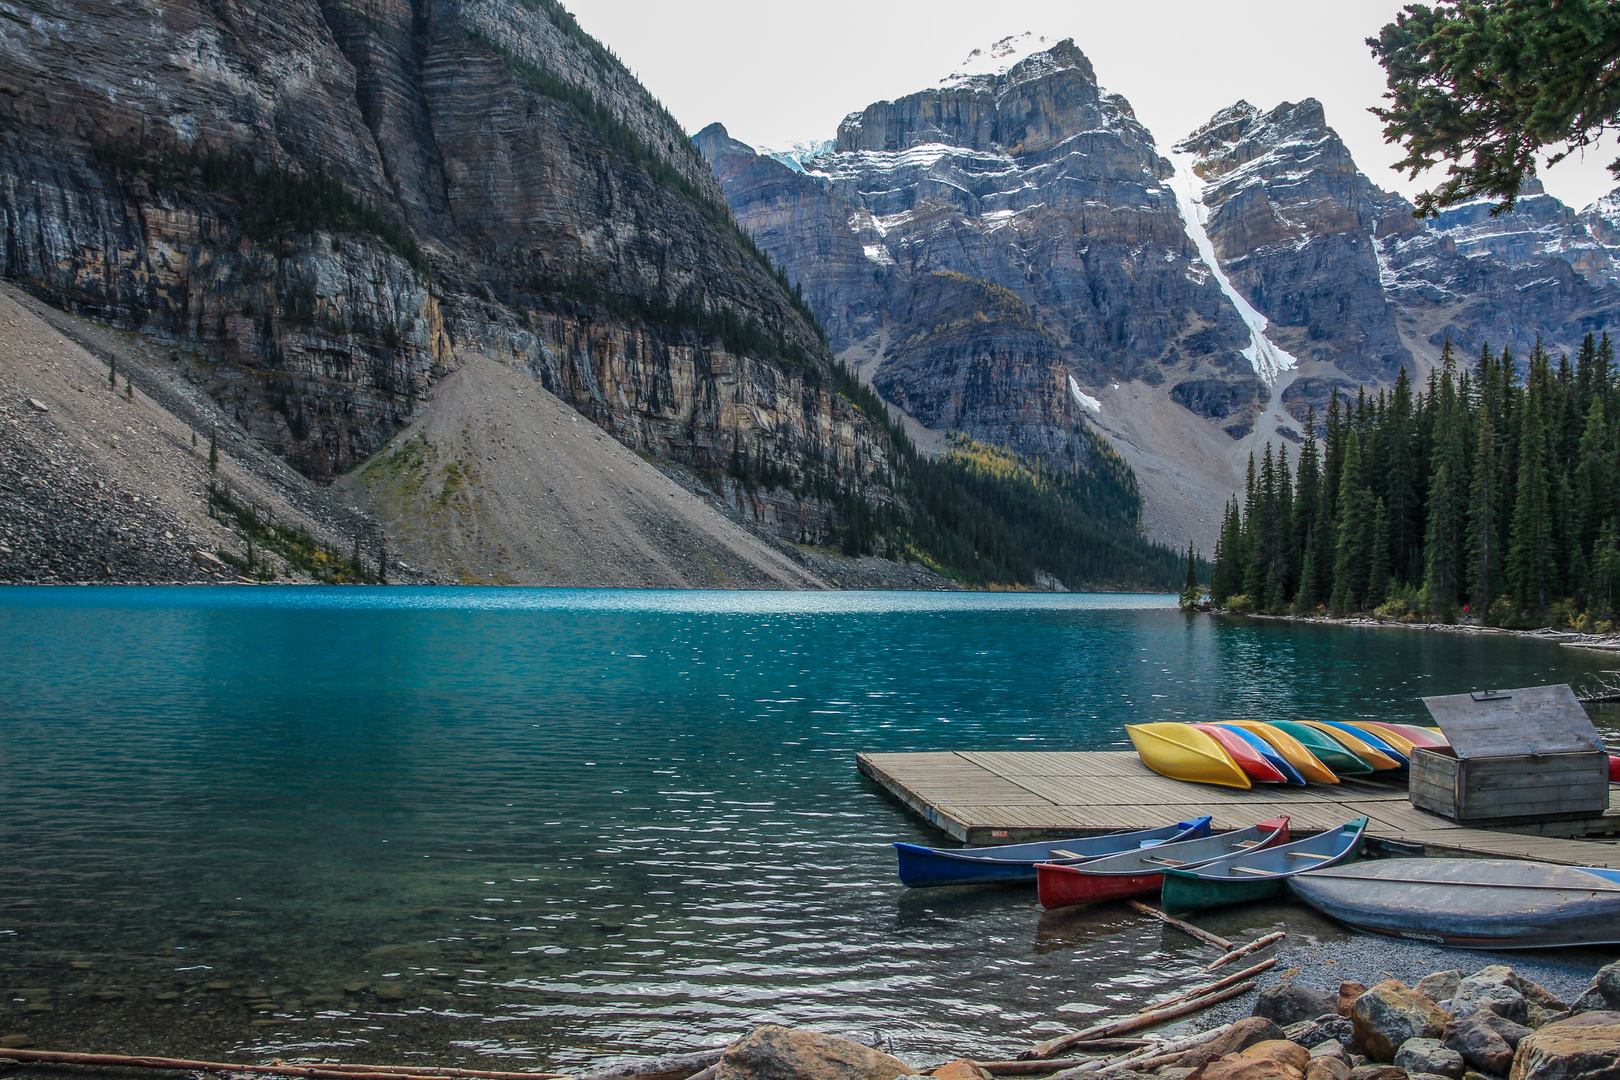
(1001, 58)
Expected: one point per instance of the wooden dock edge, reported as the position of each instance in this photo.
(936, 817)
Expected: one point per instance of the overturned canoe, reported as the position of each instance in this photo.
(1289, 747)
(1010, 863)
(1328, 750)
(1257, 766)
(1134, 873)
(1470, 903)
(1260, 874)
(1369, 748)
(1267, 751)
(1391, 737)
(1182, 752)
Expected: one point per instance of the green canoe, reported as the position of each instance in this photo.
(1258, 874)
(1328, 750)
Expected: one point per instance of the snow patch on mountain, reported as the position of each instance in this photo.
(796, 154)
(998, 59)
(1083, 399)
(1265, 356)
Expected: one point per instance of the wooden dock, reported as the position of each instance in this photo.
(1004, 797)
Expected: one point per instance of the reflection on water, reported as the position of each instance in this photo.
(564, 823)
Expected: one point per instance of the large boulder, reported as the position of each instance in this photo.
(1390, 1013)
(1584, 1047)
(1429, 1056)
(1327, 1068)
(1240, 1036)
(960, 1069)
(1440, 985)
(1493, 989)
(1378, 1072)
(1604, 992)
(1290, 1003)
(772, 1052)
(1313, 1033)
(1288, 1054)
(1480, 1046)
(1239, 1067)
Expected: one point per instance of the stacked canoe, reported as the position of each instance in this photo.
(1242, 753)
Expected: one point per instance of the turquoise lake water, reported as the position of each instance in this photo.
(562, 823)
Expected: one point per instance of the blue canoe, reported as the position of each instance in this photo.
(1010, 863)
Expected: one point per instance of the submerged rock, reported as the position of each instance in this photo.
(773, 1052)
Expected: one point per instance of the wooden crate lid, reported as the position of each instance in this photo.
(1513, 723)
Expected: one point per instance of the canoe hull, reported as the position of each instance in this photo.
(1132, 873)
(1470, 903)
(1013, 864)
(1216, 884)
(1066, 890)
(1182, 752)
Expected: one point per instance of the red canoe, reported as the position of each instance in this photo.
(1134, 873)
(1248, 758)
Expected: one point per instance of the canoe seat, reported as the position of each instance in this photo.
(1308, 855)
(1060, 853)
(1247, 843)
(1165, 862)
(1246, 870)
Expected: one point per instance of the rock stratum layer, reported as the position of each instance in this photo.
(324, 206)
(1192, 306)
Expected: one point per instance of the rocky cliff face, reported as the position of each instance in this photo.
(1040, 187)
(325, 201)
(1191, 333)
(1355, 286)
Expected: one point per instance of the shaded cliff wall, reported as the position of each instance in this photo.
(324, 200)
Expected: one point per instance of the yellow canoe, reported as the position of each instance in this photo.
(1364, 750)
(1387, 733)
(1185, 753)
(1292, 750)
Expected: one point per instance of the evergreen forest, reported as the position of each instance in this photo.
(1493, 493)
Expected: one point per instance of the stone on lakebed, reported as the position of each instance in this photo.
(772, 1052)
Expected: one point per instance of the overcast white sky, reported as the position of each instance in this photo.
(777, 73)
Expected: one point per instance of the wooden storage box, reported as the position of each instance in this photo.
(1516, 755)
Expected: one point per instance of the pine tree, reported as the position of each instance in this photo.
(1307, 493)
(1379, 558)
(1191, 592)
(1227, 578)
(213, 452)
(1484, 553)
(1354, 530)
(1530, 550)
(112, 374)
(1595, 495)
(1399, 472)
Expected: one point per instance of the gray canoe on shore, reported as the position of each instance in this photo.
(1470, 903)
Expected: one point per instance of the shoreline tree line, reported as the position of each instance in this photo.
(1493, 493)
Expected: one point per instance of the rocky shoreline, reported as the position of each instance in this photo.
(1572, 638)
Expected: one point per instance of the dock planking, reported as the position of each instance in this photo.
(1003, 797)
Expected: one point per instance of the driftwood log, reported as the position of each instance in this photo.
(1184, 927)
(1052, 1047)
(313, 1072)
(672, 1067)
(1244, 950)
(1041, 1068)
(1221, 984)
